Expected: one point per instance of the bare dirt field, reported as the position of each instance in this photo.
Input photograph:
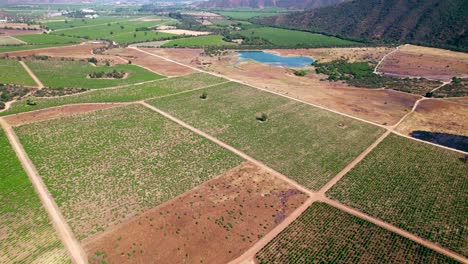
(377, 105)
(155, 64)
(16, 32)
(185, 32)
(431, 63)
(438, 116)
(371, 54)
(56, 112)
(213, 223)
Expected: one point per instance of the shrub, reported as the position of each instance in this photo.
(204, 95)
(2, 105)
(300, 73)
(262, 118)
(31, 101)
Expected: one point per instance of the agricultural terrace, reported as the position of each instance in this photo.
(415, 186)
(56, 73)
(213, 223)
(308, 144)
(328, 235)
(199, 41)
(293, 38)
(66, 23)
(11, 72)
(105, 167)
(121, 32)
(47, 39)
(27, 234)
(157, 88)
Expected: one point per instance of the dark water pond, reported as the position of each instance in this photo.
(448, 140)
(269, 58)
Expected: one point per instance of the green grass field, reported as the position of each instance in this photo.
(77, 22)
(247, 14)
(200, 41)
(412, 185)
(325, 234)
(27, 234)
(305, 143)
(128, 94)
(121, 32)
(292, 38)
(54, 73)
(48, 39)
(107, 166)
(11, 72)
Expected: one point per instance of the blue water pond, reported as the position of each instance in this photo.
(269, 58)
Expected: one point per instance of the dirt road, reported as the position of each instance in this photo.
(73, 247)
(33, 76)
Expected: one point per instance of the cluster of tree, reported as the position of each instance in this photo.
(114, 74)
(9, 92)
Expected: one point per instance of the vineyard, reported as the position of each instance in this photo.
(26, 233)
(328, 235)
(305, 143)
(105, 167)
(56, 74)
(11, 72)
(415, 186)
(128, 94)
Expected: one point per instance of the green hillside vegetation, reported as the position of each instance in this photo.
(200, 41)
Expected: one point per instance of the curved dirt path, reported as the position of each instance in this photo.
(72, 245)
(33, 76)
(384, 57)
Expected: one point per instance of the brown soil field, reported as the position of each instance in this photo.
(377, 105)
(16, 32)
(55, 112)
(437, 116)
(431, 63)
(213, 223)
(155, 64)
(371, 54)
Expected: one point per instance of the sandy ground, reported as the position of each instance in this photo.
(15, 32)
(370, 54)
(431, 63)
(152, 63)
(439, 116)
(56, 112)
(213, 223)
(380, 106)
(185, 32)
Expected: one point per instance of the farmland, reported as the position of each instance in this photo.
(66, 23)
(305, 143)
(27, 234)
(55, 73)
(11, 72)
(13, 48)
(328, 235)
(147, 152)
(5, 41)
(128, 94)
(48, 39)
(412, 185)
(291, 38)
(213, 223)
(200, 41)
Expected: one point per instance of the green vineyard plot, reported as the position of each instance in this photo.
(327, 235)
(74, 74)
(127, 94)
(11, 72)
(305, 143)
(105, 167)
(27, 234)
(415, 186)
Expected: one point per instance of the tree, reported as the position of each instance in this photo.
(204, 95)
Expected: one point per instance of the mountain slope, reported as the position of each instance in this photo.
(431, 22)
(289, 4)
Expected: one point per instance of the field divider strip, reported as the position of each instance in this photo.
(396, 230)
(72, 245)
(33, 76)
(230, 148)
(351, 165)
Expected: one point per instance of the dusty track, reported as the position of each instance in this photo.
(73, 247)
(33, 76)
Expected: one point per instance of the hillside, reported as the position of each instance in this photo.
(288, 4)
(440, 23)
